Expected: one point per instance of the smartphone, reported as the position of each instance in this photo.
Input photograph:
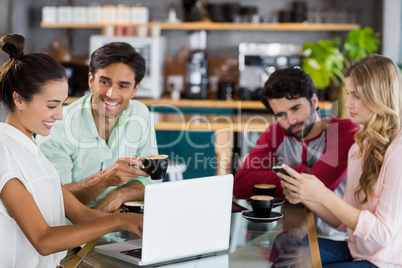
(277, 169)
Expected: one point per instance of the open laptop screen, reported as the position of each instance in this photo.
(183, 219)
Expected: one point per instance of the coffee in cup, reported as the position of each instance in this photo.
(156, 166)
(262, 205)
(264, 189)
(133, 206)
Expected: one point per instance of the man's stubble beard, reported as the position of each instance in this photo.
(307, 126)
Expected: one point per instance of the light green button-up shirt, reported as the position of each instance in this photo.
(77, 152)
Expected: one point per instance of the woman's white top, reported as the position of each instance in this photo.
(21, 159)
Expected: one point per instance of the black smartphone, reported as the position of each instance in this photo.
(277, 169)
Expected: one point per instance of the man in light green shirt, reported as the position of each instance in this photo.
(98, 146)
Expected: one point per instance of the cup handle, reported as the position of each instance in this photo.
(143, 168)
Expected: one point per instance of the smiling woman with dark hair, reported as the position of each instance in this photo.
(33, 204)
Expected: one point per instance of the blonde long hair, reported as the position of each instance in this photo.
(378, 83)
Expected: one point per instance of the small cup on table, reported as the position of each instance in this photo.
(264, 189)
(262, 205)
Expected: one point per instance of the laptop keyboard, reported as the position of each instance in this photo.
(133, 252)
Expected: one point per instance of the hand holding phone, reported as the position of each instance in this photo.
(277, 169)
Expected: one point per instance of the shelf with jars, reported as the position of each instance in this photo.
(218, 26)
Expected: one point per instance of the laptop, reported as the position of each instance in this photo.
(182, 220)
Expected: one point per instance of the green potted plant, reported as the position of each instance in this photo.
(326, 62)
(360, 43)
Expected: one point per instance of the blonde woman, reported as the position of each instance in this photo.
(33, 204)
(371, 208)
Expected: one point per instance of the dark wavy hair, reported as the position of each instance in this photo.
(291, 83)
(25, 74)
(118, 52)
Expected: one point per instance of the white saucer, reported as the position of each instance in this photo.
(249, 215)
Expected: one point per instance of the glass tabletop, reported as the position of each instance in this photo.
(282, 242)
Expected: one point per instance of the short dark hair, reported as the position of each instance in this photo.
(25, 74)
(291, 83)
(118, 52)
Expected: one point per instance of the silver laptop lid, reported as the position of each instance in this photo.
(186, 218)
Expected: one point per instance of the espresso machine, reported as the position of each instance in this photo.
(197, 66)
(257, 61)
(197, 75)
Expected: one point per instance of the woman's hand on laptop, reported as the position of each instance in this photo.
(132, 222)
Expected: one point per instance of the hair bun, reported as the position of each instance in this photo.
(13, 45)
